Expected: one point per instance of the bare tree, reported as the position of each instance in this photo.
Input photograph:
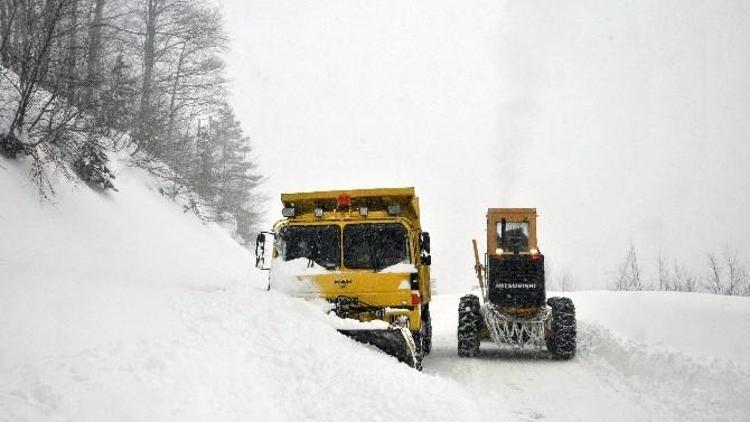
(738, 277)
(566, 282)
(196, 81)
(85, 72)
(93, 63)
(663, 272)
(684, 280)
(714, 283)
(629, 273)
(70, 73)
(9, 10)
(37, 31)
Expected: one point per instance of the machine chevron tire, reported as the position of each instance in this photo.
(468, 326)
(562, 342)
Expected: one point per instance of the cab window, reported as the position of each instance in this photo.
(375, 246)
(319, 244)
(516, 236)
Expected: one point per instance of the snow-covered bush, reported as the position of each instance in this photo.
(91, 166)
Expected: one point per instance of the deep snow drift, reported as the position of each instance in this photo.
(123, 307)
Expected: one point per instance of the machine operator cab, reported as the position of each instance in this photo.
(511, 231)
(515, 267)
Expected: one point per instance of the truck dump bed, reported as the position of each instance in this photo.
(373, 199)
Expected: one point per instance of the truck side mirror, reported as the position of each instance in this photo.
(260, 251)
(424, 255)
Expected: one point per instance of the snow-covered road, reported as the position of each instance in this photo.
(612, 377)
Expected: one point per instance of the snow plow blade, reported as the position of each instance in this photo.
(397, 342)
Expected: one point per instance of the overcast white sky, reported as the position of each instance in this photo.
(620, 121)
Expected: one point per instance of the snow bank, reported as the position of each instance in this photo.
(294, 277)
(122, 307)
(683, 355)
(621, 371)
(700, 324)
(353, 324)
(65, 264)
(671, 384)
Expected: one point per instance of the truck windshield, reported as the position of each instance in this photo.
(375, 246)
(319, 244)
(516, 236)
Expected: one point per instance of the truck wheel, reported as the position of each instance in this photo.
(562, 342)
(419, 349)
(427, 334)
(419, 356)
(468, 326)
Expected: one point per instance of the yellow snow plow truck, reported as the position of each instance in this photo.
(365, 253)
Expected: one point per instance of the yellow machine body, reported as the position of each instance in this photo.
(514, 310)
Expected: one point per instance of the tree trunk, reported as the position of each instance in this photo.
(8, 12)
(71, 76)
(175, 85)
(148, 69)
(93, 78)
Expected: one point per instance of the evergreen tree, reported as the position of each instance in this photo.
(92, 166)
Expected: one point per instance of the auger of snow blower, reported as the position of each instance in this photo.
(514, 310)
(364, 252)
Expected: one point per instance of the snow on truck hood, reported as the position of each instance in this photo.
(295, 277)
(400, 268)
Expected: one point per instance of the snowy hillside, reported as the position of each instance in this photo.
(125, 308)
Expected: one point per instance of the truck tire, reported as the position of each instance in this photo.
(427, 335)
(419, 350)
(468, 326)
(562, 342)
(419, 358)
